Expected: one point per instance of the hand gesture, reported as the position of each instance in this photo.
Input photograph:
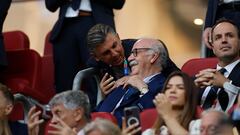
(163, 106)
(130, 130)
(207, 37)
(135, 81)
(107, 84)
(204, 77)
(34, 121)
(61, 128)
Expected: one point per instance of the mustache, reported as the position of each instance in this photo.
(133, 63)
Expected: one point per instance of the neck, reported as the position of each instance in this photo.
(80, 125)
(226, 61)
(149, 73)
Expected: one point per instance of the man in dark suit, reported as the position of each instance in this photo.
(147, 59)
(4, 6)
(69, 33)
(109, 55)
(222, 88)
(217, 9)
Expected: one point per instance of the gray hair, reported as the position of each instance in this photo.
(102, 125)
(72, 100)
(97, 35)
(160, 48)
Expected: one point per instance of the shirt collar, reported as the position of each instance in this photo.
(229, 67)
(149, 78)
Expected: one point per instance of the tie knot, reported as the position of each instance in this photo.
(222, 70)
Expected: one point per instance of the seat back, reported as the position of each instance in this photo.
(47, 75)
(147, 118)
(193, 66)
(48, 46)
(15, 40)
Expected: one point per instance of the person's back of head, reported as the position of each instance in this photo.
(102, 127)
(215, 122)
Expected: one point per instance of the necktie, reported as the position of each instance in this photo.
(75, 4)
(222, 95)
(212, 96)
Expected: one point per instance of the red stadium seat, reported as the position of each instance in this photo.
(15, 40)
(47, 75)
(193, 66)
(148, 117)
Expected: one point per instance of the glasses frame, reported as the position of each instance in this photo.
(136, 50)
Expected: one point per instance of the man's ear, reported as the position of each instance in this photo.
(154, 57)
(8, 109)
(78, 114)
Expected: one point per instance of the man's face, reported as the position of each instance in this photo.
(225, 41)
(66, 115)
(5, 107)
(140, 58)
(111, 51)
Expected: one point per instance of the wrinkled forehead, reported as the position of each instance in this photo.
(224, 27)
(145, 43)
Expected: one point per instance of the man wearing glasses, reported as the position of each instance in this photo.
(109, 55)
(147, 59)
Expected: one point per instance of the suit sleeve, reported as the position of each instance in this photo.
(116, 4)
(209, 14)
(53, 5)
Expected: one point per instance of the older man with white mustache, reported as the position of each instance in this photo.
(147, 59)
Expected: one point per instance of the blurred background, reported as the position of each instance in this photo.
(178, 23)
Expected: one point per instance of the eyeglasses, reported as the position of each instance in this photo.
(136, 50)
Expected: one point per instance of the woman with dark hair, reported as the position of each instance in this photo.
(176, 107)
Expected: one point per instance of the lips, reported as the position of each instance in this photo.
(172, 98)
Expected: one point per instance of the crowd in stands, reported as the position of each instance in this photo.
(136, 75)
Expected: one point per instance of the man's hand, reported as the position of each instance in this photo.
(34, 121)
(61, 128)
(210, 77)
(204, 77)
(207, 37)
(130, 130)
(107, 84)
(135, 81)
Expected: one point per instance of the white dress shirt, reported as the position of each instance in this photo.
(85, 5)
(232, 93)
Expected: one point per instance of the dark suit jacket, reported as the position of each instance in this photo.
(101, 10)
(18, 128)
(211, 13)
(4, 6)
(234, 76)
(132, 98)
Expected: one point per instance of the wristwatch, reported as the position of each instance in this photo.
(144, 90)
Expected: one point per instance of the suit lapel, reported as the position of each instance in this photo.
(111, 100)
(235, 75)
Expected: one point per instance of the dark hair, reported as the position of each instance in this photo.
(222, 20)
(190, 107)
(7, 93)
(97, 35)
